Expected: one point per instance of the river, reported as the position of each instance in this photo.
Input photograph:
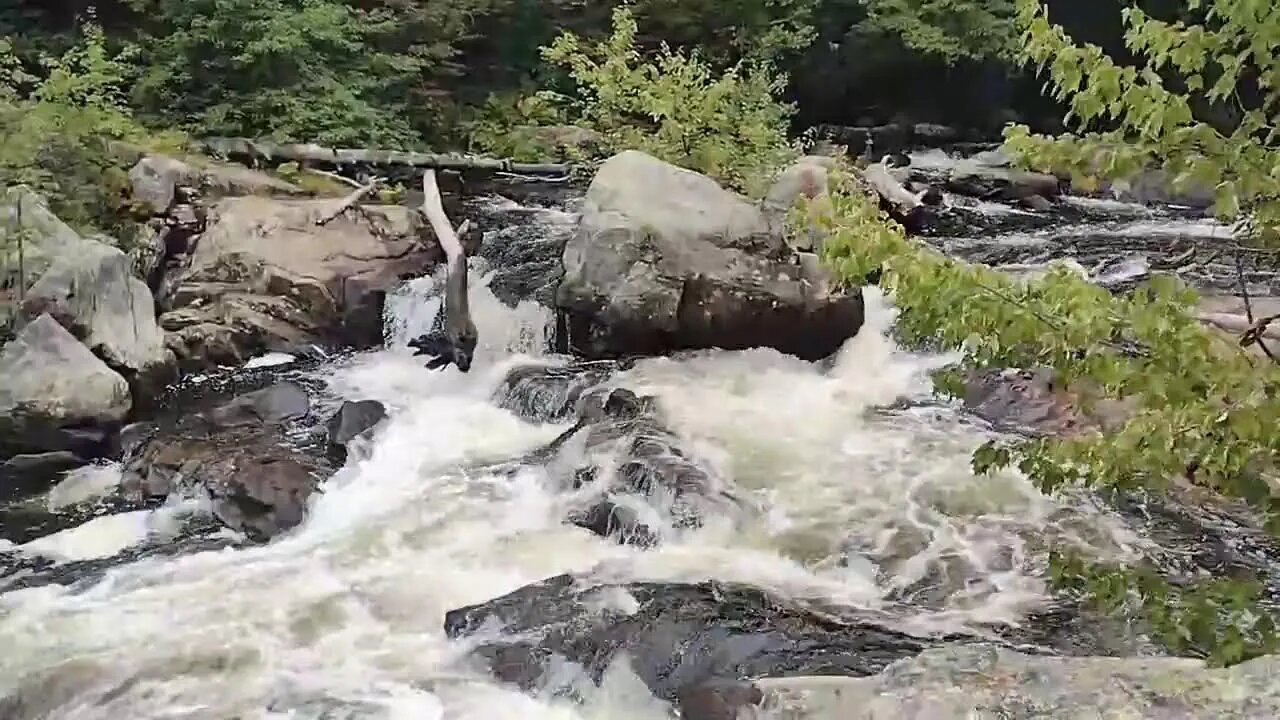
(855, 483)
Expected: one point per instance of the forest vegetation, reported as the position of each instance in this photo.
(1191, 86)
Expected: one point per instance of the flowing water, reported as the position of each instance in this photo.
(856, 485)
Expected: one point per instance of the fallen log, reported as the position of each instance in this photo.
(260, 150)
(454, 339)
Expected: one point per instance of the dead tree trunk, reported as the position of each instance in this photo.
(456, 341)
(257, 150)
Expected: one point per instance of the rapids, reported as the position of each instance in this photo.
(856, 479)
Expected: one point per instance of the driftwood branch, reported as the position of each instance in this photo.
(344, 204)
(903, 201)
(1254, 335)
(1240, 324)
(333, 176)
(457, 343)
(256, 150)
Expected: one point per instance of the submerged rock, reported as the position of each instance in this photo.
(31, 474)
(549, 393)
(55, 394)
(1034, 402)
(665, 259)
(353, 420)
(968, 681)
(237, 456)
(677, 636)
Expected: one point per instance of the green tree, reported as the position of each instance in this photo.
(729, 125)
(1128, 117)
(288, 70)
(57, 127)
(950, 29)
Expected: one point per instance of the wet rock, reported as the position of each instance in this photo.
(610, 520)
(21, 570)
(967, 681)
(273, 405)
(29, 474)
(549, 393)
(1034, 402)
(665, 259)
(94, 294)
(353, 420)
(641, 481)
(55, 395)
(265, 277)
(678, 636)
(237, 455)
(718, 700)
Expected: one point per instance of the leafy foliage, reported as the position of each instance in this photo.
(673, 106)
(1130, 117)
(281, 69)
(951, 29)
(1217, 619)
(57, 130)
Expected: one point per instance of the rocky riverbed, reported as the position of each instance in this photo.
(606, 517)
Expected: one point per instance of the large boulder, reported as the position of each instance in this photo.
(237, 455)
(25, 214)
(267, 276)
(665, 259)
(971, 681)
(55, 394)
(678, 637)
(94, 294)
(154, 179)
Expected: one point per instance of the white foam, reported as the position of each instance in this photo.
(347, 610)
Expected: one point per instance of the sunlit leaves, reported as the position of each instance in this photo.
(672, 105)
(1142, 109)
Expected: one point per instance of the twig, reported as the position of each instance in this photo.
(334, 176)
(1128, 348)
(1255, 332)
(348, 201)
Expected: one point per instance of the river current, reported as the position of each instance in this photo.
(856, 480)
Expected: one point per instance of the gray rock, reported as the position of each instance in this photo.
(273, 405)
(265, 277)
(45, 238)
(983, 681)
(806, 177)
(94, 294)
(24, 475)
(678, 636)
(353, 420)
(52, 389)
(238, 455)
(154, 178)
(665, 259)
